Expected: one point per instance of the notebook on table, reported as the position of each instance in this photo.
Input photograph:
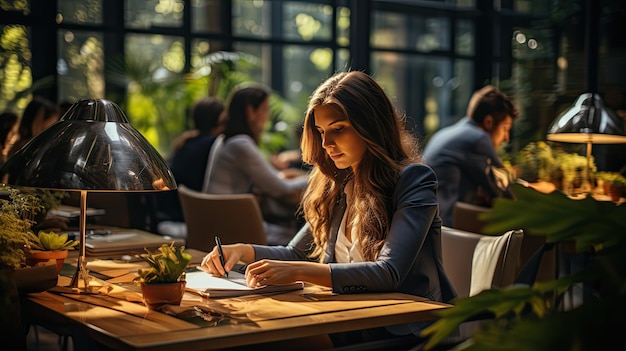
(119, 242)
(207, 285)
(73, 211)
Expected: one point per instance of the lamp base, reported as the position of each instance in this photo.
(81, 276)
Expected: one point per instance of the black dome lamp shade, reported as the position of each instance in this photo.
(92, 148)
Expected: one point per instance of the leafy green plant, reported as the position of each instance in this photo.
(18, 214)
(532, 317)
(158, 107)
(535, 162)
(51, 199)
(611, 178)
(166, 265)
(16, 219)
(50, 241)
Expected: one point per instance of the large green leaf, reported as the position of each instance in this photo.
(587, 222)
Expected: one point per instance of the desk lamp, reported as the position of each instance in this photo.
(587, 121)
(92, 148)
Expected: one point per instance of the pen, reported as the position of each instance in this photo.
(218, 242)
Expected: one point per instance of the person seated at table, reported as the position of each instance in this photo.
(240, 167)
(8, 123)
(189, 161)
(290, 158)
(39, 114)
(371, 208)
(464, 155)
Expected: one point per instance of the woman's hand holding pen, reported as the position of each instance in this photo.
(232, 255)
(265, 272)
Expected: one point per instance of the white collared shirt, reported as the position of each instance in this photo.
(347, 251)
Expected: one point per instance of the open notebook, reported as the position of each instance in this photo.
(207, 285)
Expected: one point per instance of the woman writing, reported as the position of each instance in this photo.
(371, 207)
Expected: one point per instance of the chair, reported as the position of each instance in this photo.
(475, 261)
(234, 217)
(465, 217)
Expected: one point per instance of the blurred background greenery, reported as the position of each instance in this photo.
(155, 57)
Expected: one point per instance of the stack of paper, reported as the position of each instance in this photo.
(207, 285)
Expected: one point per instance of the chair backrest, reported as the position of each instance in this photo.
(465, 217)
(215, 148)
(236, 218)
(475, 261)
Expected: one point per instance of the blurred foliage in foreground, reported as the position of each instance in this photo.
(533, 317)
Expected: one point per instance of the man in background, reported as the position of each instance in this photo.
(464, 155)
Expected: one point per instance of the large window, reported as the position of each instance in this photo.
(156, 57)
(415, 60)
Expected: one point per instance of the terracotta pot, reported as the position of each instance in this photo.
(33, 257)
(615, 192)
(35, 279)
(156, 295)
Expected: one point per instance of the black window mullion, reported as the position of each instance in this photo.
(484, 29)
(43, 45)
(360, 29)
(187, 37)
(113, 11)
(276, 30)
(226, 8)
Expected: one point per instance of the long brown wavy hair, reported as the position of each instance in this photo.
(390, 147)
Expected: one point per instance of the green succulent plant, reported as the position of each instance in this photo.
(166, 265)
(50, 241)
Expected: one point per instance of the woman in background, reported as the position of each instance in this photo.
(38, 115)
(8, 121)
(371, 209)
(240, 167)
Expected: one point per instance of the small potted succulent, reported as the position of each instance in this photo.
(614, 184)
(163, 282)
(47, 246)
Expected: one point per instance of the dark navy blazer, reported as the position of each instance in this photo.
(460, 154)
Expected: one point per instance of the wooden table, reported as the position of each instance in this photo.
(118, 320)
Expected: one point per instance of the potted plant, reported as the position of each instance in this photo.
(535, 162)
(47, 246)
(613, 184)
(163, 282)
(17, 210)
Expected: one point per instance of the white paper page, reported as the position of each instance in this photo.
(200, 281)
